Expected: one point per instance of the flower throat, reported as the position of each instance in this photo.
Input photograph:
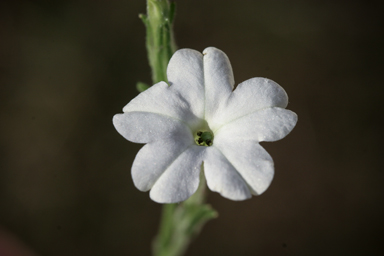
(204, 138)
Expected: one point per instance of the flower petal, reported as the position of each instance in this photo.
(223, 177)
(249, 96)
(185, 74)
(180, 179)
(162, 99)
(144, 127)
(219, 81)
(250, 160)
(269, 124)
(154, 158)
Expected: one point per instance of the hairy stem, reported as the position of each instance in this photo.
(180, 223)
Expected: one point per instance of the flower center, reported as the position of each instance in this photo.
(204, 138)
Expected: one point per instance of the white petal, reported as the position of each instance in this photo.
(249, 96)
(162, 99)
(144, 127)
(219, 81)
(180, 179)
(250, 160)
(269, 124)
(186, 76)
(154, 158)
(223, 177)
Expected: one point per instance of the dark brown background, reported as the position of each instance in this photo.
(66, 67)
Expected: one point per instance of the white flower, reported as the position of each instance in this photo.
(199, 119)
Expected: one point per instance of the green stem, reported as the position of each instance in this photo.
(183, 222)
(180, 223)
(165, 230)
(159, 37)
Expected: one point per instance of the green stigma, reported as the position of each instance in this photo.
(204, 138)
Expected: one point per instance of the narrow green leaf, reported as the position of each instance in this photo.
(140, 86)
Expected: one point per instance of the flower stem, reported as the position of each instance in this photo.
(159, 37)
(180, 223)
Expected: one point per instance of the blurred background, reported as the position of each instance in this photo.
(66, 67)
